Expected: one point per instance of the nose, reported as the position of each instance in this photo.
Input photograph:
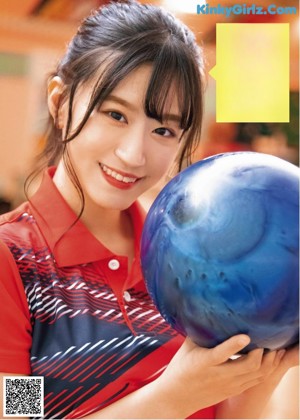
(131, 149)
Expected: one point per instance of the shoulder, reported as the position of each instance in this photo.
(13, 216)
(14, 225)
(10, 277)
(10, 280)
(19, 234)
(7, 261)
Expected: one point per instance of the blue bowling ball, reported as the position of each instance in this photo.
(220, 250)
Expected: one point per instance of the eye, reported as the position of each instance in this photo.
(165, 132)
(117, 116)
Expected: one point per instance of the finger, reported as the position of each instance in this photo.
(278, 355)
(257, 367)
(251, 383)
(290, 358)
(227, 349)
(265, 363)
(248, 363)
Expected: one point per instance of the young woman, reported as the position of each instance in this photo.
(124, 103)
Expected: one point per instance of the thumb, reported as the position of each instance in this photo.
(228, 348)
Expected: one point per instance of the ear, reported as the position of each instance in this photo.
(55, 90)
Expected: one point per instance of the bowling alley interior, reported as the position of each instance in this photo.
(33, 36)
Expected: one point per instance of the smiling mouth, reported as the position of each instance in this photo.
(116, 175)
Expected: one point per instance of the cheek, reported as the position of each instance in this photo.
(91, 141)
(164, 160)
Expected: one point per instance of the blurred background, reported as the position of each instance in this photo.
(34, 34)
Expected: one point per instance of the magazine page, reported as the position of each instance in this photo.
(149, 209)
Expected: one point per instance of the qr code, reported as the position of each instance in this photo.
(23, 396)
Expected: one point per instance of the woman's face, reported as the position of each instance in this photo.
(120, 153)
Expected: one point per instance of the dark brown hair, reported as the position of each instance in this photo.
(114, 40)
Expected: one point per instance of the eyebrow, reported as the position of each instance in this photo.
(121, 101)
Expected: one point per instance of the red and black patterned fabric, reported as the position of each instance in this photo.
(73, 312)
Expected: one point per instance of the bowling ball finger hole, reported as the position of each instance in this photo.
(221, 253)
(183, 213)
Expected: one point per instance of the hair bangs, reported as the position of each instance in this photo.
(169, 78)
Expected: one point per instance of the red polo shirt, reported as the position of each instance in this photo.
(72, 312)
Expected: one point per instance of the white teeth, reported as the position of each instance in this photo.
(117, 176)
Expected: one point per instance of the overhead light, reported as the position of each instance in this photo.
(183, 6)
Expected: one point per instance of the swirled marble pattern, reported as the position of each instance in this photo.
(220, 250)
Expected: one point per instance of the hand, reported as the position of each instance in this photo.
(289, 358)
(198, 377)
(260, 401)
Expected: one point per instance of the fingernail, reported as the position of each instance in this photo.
(244, 341)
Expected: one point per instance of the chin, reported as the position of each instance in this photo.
(114, 204)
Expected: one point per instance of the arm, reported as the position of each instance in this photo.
(284, 403)
(261, 401)
(15, 326)
(195, 378)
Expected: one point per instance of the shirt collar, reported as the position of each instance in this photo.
(72, 244)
